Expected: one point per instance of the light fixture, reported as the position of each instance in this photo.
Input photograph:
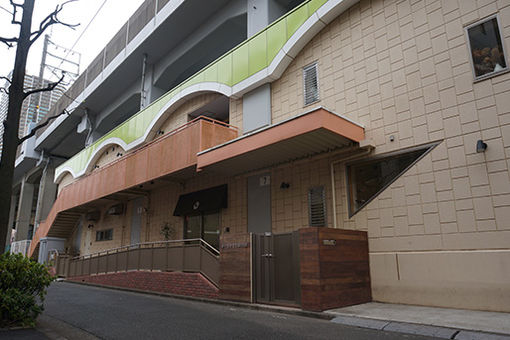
(284, 185)
(481, 146)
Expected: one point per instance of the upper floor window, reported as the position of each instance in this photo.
(104, 235)
(486, 46)
(368, 178)
(311, 84)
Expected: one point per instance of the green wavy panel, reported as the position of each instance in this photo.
(250, 57)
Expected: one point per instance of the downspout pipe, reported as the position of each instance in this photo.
(368, 147)
(142, 89)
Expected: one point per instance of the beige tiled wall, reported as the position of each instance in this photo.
(119, 223)
(109, 155)
(66, 180)
(180, 115)
(402, 69)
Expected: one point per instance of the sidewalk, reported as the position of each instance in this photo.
(439, 322)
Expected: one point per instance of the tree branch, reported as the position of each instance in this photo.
(8, 41)
(51, 19)
(14, 11)
(40, 126)
(50, 87)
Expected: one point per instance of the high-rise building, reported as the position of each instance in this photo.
(34, 108)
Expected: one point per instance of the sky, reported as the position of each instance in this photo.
(111, 17)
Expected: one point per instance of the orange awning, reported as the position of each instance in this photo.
(302, 136)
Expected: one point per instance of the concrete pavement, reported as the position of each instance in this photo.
(113, 314)
(439, 322)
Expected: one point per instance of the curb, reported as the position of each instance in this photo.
(417, 329)
(56, 329)
(267, 308)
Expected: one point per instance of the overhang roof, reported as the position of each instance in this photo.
(308, 134)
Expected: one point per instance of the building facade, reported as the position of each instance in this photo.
(383, 117)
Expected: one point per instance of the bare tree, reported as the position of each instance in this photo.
(17, 93)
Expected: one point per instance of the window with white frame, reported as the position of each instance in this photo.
(311, 84)
(486, 47)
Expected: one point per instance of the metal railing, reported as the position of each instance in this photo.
(191, 255)
(20, 247)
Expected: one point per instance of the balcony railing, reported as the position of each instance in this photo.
(172, 153)
(192, 255)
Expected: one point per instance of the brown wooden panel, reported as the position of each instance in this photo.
(235, 269)
(334, 268)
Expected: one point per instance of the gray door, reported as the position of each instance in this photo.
(276, 268)
(259, 203)
(136, 220)
(77, 240)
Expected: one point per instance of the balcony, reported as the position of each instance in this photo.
(174, 154)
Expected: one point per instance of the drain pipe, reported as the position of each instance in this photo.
(142, 90)
(369, 147)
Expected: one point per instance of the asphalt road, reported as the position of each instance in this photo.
(112, 314)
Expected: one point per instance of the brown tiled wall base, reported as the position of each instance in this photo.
(189, 284)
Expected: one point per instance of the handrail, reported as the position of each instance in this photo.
(208, 247)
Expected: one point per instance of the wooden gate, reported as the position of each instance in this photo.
(276, 270)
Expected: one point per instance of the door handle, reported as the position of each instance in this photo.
(267, 255)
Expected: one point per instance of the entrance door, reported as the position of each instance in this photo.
(205, 226)
(259, 203)
(276, 268)
(136, 220)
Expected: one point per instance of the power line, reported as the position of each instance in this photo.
(6, 10)
(85, 29)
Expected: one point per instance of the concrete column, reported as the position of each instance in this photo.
(47, 194)
(24, 210)
(150, 92)
(261, 13)
(12, 212)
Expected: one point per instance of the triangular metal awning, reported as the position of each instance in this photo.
(302, 136)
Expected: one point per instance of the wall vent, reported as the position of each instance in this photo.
(311, 84)
(317, 206)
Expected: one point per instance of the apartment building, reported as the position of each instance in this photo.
(345, 151)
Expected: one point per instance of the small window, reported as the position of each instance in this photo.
(487, 51)
(104, 235)
(317, 207)
(311, 84)
(368, 178)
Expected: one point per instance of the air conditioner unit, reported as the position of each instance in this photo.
(117, 209)
(93, 216)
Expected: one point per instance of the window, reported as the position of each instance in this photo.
(311, 84)
(317, 207)
(487, 51)
(368, 178)
(104, 235)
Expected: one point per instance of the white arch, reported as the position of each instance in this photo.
(59, 174)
